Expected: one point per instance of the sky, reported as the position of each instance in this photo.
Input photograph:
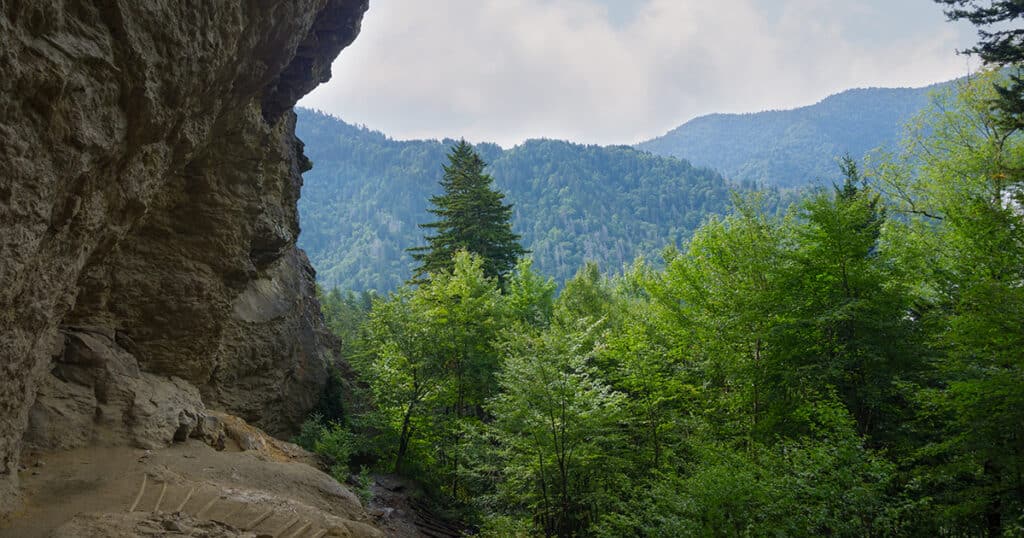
(623, 71)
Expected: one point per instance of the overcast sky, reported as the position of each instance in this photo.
(621, 71)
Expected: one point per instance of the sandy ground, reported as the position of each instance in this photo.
(84, 491)
(58, 486)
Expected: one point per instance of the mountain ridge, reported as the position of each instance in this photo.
(366, 194)
(380, 185)
(798, 146)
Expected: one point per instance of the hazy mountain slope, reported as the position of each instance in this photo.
(794, 147)
(366, 194)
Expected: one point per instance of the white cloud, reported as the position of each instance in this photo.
(506, 70)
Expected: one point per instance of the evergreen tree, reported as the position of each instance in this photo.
(1002, 44)
(472, 217)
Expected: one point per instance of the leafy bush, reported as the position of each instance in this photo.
(364, 487)
(331, 441)
(309, 432)
(335, 444)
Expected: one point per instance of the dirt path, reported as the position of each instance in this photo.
(398, 512)
(188, 489)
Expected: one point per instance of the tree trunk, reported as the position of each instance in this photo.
(403, 438)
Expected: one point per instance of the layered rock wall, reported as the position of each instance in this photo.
(148, 179)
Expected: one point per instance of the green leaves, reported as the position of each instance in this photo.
(555, 423)
(431, 365)
(967, 463)
(852, 368)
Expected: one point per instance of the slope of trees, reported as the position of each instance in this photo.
(794, 147)
(852, 367)
(366, 194)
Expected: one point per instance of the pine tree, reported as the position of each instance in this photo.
(1001, 44)
(471, 217)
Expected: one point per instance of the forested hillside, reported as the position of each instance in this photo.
(850, 368)
(366, 195)
(795, 147)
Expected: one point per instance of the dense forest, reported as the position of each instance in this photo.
(848, 367)
(366, 195)
(797, 147)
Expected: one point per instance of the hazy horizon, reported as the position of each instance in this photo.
(613, 72)
(391, 136)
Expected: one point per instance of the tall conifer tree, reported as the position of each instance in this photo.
(471, 217)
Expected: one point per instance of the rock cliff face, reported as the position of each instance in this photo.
(148, 179)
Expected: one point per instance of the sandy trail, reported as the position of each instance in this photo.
(190, 490)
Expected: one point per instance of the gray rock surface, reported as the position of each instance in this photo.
(148, 179)
(96, 394)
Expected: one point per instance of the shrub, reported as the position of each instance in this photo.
(331, 441)
(335, 444)
(310, 432)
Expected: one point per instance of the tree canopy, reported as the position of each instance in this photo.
(849, 367)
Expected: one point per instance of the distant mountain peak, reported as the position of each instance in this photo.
(795, 147)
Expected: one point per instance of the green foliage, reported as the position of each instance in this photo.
(958, 176)
(825, 488)
(586, 295)
(997, 45)
(531, 297)
(556, 428)
(849, 368)
(720, 304)
(310, 432)
(332, 442)
(858, 338)
(431, 367)
(403, 372)
(472, 219)
(364, 487)
(500, 526)
(344, 314)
